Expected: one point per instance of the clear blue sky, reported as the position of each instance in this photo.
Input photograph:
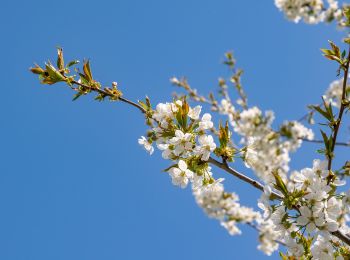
(74, 184)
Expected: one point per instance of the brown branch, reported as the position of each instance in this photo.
(343, 237)
(241, 176)
(341, 111)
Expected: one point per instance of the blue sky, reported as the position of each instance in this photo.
(74, 184)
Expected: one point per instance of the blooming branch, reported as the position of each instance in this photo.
(302, 210)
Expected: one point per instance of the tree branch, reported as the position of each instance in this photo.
(241, 176)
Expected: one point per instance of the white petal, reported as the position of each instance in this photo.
(310, 227)
(305, 211)
(302, 221)
(206, 117)
(179, 133)
(332, 226)
(182, 165)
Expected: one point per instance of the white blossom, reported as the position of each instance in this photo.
(163, 114)
(264, 202)
(148, 147)
(206, 122)
(194, 112)
(181, 141)
(231, 227)
(295, 132)
(267, 237)
(310, 11)
(334, 93)
(205, 147)
(181, 175)
(322, 249)
(294, 248)
(333, 208)
(310, 219)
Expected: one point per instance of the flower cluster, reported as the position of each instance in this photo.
(267, 236)
(310, 11)
(334, 93)
(309, 213)
(295, 132)
(224, 206)
(265, 149)
(180, 133)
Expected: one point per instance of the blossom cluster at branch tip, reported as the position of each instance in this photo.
(318, 212)
(310, 11)
(265, 149)
(181, 134)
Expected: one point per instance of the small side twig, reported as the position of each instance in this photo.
(106, 93)
(321, 142)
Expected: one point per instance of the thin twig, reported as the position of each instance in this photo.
(106, 93)
(321, 142)
(302, 118)
(307, 115)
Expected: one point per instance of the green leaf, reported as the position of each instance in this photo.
(322, 112)
(327, 52)
(60, 60)
(54, 74)
(37, 70)
(76, 96)
(171, 166)
(83, 79)
(280, 185)
(87, 71)
(344, 52)
(335, 48)
(148, 102)
(73, 62)
(325, 139)
(329, 110)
